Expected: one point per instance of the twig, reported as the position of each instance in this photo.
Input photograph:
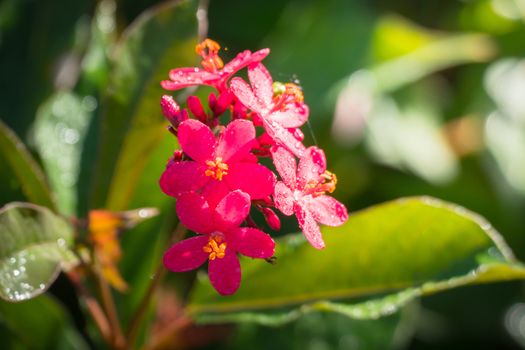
(117, 337)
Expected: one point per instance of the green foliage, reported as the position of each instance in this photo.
(15, 156)
(132, 125)
(33, 249)
(384, 257)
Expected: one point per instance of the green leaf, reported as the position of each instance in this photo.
(381, 259)
(33, 248)
(41, 323)
(59, 131)
(160, 39)
(27, 171)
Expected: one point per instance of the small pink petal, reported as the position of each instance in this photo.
(236, 141)
(328, 211)
(261, 82)
(252, 242)
(292, 118)
(244, 93)
(186, 255)
(243, 59)
(311, 166)
(214, 192)
(189, 76)
(231, 211)
(254, 179)
(283, 198)
(309, 226)
(194, 212)
(180, 177)
(283, 137)
(285, 165)
(196, 140)
(225, 273)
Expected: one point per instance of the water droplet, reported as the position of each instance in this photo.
(42, 286)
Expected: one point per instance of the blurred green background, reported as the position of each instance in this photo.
(407, 98)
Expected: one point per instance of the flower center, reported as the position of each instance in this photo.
(326, 183)
(286, 94)
(216, 169)
(208, 50)
(216, 246)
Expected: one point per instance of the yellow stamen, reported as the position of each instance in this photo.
(216, 248)
(216, 169)
(326, 183)
(208, 50)
(295, 91)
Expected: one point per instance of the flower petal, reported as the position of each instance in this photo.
(194, 212)
(261, 82)
(292, 118)
(186, 255)
(225, 273)
(243, 59)
(189, 76)
(328, 211)
(244, 93)
(309, 226)
(283, 198)
(214, 192)
(283, 137)
(254, 179)
(311, 166)
(180, 177)
(252, 242)
(285, 164)
(231, 211)
(236, 141)
(196, 140)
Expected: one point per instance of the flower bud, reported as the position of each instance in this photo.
(172, 111)
(195, 106)
(271, 218)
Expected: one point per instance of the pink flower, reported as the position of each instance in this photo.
(217, 167)
(279, 114)
(302, 192)
(215, 73)
(221, 239)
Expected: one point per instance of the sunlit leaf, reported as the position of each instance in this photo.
(60, 128)
(380, 260)
(160, 39)
(27, 171)
(33, 249)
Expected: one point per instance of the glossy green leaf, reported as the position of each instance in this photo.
(381, 259)
(160, 39)
(41, 323)
(27, 171)
(59, 131)
(33, 248)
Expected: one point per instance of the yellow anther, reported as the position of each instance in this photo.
(216, 248)
(295, 91)
(326, 183)
(216, 169)
(208, 50)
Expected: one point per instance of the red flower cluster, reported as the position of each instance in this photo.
(216, 177)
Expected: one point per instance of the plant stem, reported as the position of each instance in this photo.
(160, 271)
(93, 307)
(117, 338)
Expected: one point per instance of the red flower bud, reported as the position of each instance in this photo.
(195, 106)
